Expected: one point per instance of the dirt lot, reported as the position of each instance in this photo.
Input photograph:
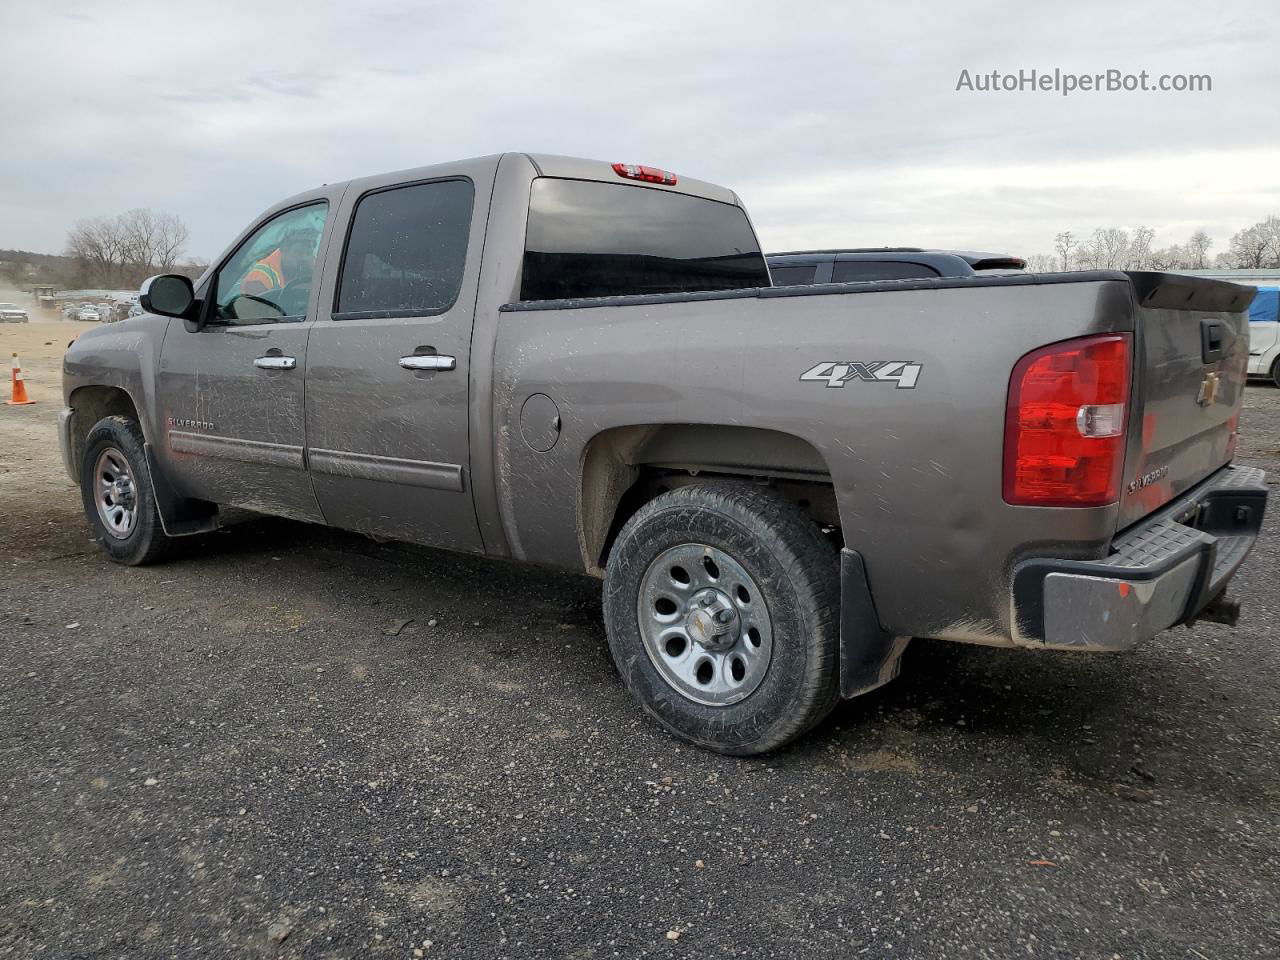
(236, 754)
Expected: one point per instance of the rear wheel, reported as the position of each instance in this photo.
(115, 486)
(721, 605)
(1275, 372)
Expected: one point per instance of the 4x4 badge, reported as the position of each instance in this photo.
(834, 373)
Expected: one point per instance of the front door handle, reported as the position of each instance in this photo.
(275, 363)
(432, 361)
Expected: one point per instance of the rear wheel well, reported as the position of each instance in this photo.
(92, 404)
(625, 468)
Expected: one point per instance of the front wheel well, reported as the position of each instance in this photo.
(92, 404)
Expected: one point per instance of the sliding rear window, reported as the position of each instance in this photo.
(588, 239)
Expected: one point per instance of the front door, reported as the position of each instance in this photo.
(231, 393)
(388, 363)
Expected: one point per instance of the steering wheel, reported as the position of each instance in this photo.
(294, 296)
(266, 311)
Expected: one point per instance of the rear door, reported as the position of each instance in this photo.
(230, 394)
(389, 361)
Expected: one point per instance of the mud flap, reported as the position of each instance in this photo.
(869, 657)
(180, 516)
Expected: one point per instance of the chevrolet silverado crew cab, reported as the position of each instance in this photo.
(585, 365)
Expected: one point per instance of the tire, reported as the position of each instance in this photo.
(1275, 372)
(114, 453)
(775, 574)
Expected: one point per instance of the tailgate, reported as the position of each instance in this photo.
(1192, 347)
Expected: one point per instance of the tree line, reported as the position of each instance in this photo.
(122, 251)
(1113, 248)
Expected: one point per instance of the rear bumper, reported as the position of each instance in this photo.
(1161, 572)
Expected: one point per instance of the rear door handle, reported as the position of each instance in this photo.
(275, 363)
(432, 361)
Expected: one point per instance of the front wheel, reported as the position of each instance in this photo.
(721, 605)
(115, 486)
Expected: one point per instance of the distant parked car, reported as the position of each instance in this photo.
(136, 311)
(69, 311)
(12, 313)
(88, 313)
(864, 264)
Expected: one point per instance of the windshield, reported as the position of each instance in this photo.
(590, 239)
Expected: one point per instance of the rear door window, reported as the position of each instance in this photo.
(406, 251)
(590, 239)
(854, 271)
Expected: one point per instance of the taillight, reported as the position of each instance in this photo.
(1065, 423)
(637, 171)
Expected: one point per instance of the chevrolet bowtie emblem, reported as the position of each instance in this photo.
(1208, 390)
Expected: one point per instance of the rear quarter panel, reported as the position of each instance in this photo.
(916, 472)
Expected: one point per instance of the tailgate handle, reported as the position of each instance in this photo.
(1210, 340)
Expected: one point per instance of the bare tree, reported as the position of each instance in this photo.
(1198, 250)
(98, 247)
(1140, 249)
(1114, 243)
(1063, 243)
(1250, 247)
(126, 249)
(1168, 258)
(1042, 263)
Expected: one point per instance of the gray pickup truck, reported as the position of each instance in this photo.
(585, 365)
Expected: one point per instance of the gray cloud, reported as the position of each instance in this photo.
(838, 123)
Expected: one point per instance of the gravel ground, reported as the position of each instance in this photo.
(248, 752)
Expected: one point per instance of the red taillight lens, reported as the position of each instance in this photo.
(637, 171)
(1065, 424)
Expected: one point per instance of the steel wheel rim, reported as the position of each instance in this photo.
(705, 624)
(115, 494)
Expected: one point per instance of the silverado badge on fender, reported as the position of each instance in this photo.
(836, 374)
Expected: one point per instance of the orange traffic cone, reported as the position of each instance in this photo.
(19, 385)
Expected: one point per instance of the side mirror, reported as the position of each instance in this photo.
(169, 295)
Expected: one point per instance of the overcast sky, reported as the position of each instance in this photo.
(838, 123)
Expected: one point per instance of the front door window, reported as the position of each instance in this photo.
(269, 278)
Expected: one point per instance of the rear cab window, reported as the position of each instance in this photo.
(591, 239)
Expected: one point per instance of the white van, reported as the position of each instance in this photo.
(1264, 335)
